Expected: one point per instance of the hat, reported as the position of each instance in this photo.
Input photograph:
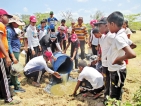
(102, 21)
(82, 63)
(73, 37)
(93, 58)
(33, 19)
(17, 20)
(3, 12)
(47, 54)
(62, 28)
(51, 12)
(92, 22)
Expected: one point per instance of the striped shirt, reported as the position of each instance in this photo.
(81, 32)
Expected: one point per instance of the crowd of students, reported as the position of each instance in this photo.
(109, 41)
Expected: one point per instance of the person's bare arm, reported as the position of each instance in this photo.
(76, 88)
(67, 47)
(133, 46)
(128, 36)
(129, 54)
(74, 53)
(61, 43)
(2, 49)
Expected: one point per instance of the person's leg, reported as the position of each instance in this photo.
(64, 44)
(76, 61)
(82, 47)
(115, 90)
(27, 56)
(4, 86)
(94, 50)
(106, 80)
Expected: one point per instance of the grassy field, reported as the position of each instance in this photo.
(37, 97)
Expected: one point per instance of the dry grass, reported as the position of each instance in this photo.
(37, 97)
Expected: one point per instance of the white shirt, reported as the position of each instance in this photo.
(42, 33)
(18, 31)
(94, 39)
(93, 76)
(32, 37)
(128, 31)
(105, 43)
(37, 61)
(116, 50)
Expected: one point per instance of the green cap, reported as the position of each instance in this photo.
(51, 12)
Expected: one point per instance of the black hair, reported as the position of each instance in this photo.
(95, 30)
(63, 20)
(43, 21)
(126, 22)
(117, 18)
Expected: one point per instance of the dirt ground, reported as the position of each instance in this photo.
(37, 97)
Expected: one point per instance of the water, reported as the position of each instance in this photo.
(63, 89)
(64, 77)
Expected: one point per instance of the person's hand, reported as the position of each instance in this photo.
(72, 59)
(96, 48)
(40, 48)
(15, 61)
(57, 75)
(74, 94)
(89, 44)
(8, 61)
(33, 52)
(54, 58)
(117, 61)
(64, 52)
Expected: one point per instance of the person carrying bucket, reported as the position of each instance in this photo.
(37, 66)
(73, 40)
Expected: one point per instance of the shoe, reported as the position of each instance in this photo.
(36, 84)
(19, 90)
(13, 102)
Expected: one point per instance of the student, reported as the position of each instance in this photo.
(82, 34)
(63, 21)
(46, 27)
(71, 27)
(42, 31)
(93, 41)
(52, 21)
(32, 37)
(118, 52)
(14, 47)
(89, 79)
(105, 41)
(37, 66)
(73, 40)
(127, 30)
(4, 86)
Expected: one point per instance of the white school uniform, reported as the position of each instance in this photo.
(116, 50)
(105, 43)
(93, 76)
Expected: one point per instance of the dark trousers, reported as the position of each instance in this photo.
(94, 50)
(82, 48)
(64, 44)
(106, 75)
(29, 53)
(36, 73)
(115, 89)
(4, 86)
(86, 84)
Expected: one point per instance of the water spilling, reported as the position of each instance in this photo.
(63, 89)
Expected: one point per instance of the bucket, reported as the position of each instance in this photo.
(63, 64)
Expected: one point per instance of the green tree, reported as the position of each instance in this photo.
(98, 15)
(132, 21)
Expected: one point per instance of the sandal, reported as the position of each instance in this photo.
(88, 94)
(13, 102)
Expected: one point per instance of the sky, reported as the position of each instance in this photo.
(78, 8)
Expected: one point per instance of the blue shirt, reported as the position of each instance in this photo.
(46, 27)
(51, 22)
(13, 40)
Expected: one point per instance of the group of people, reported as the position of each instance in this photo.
(109, 40)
